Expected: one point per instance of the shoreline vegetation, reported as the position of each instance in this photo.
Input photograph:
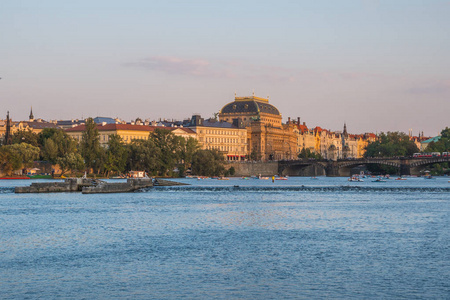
(162, 154)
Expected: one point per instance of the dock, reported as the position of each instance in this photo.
(94, 186)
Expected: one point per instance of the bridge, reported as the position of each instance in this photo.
(342, 167)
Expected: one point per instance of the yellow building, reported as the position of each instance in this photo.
(267, 137)
(127, 132)
(229, 138)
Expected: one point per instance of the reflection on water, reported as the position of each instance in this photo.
(300, 238)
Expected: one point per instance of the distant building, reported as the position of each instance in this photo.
(424, 144)
(64, 124)
(229, 138)
(267, 137)
(127, 132)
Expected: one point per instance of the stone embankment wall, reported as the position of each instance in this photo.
(254, 168)
(69, 185)
(132, 184)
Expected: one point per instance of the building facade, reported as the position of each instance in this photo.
(267, 137)
(228, 138)
(127, 132)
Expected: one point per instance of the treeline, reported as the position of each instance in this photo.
(398, 144)
(442, 145)
(162, 154)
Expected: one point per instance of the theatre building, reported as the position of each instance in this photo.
(267, 137)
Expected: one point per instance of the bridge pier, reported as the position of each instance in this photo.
(332, 170)
(405, 168)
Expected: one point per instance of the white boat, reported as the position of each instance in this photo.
(355, 179)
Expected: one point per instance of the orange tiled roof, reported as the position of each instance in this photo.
(302, 128)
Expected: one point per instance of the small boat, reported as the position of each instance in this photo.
(245, 178)
(223, 178)
(429, 177)
(40, 176)
(379, 180)
(281, 178)
(314, 177)
(355, 179)
(400, 178)
(14, 178)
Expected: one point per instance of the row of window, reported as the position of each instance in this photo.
(226, 148)
(222, 140)
(223, 132)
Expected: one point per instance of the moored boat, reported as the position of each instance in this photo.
(355, 178)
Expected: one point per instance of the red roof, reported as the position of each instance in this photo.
(302, 128)
(319, 129)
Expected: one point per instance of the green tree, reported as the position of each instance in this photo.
(188, 148)
(50, 151)
(143, 155)
(90, 146)
(442, 145)
(17, 156)
(25, 136)
(116, 155)
(70, 162)
(169, 146)
(391, 144)
(55, 143)
(6, 160)
(231, 171)
(208, 163)
(306, 153)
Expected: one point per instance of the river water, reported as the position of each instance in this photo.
(237, 239)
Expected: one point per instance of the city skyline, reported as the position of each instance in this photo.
(376, 65)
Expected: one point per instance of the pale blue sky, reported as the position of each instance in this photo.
(377, 65)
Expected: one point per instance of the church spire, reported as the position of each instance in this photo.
(31, 115)
(345, 130)
(8, 137)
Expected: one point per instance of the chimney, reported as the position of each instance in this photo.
(289, 120)
(304, 123)
(298, 121)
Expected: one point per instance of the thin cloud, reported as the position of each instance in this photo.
(433, 88)
(240, 69)
(181, 66)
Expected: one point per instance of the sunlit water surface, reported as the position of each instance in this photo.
(237, 239)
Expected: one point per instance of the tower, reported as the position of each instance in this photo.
(8, 137)
(31, 115)
(345, 130)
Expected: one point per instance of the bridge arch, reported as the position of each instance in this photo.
(414, 163)
(302, 168)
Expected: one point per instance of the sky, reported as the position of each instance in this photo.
(375, 65)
